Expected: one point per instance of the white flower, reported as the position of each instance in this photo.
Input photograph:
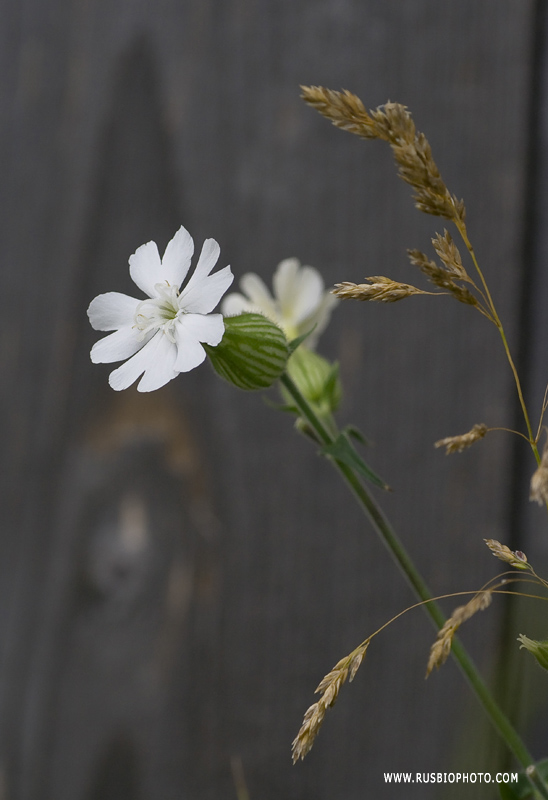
(161, 336)
(299, 303)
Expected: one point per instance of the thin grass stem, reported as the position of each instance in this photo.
(496, 319)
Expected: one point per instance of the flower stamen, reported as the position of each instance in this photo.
(159, 313)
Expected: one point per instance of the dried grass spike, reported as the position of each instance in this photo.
(418, 168)
(443, 277)
(539, 481)
(449, 254)
(393, 123)
(463, 295)
(439, 652)
(338, 673)
(312, 723)
(456, 444)
(344, 109)
(356, 662)
(378, 290)
(516, 558)
(435, 274)
(329, 688)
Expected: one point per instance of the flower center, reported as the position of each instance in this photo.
(160, 312)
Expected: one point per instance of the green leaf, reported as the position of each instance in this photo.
(286, 408)
(342, 450)
(355, 433)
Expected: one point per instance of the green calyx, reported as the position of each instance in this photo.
(538, 649)
(252, 354)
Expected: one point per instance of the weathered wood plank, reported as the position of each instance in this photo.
(179, 571)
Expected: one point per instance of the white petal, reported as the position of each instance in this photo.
(145, 268)
(191, 355)
(128, 373)
(202, 297)
(117, 346)
(208, 258)
(176, 260)
(191, 329)
(236, 303)
(215, 330)
(202, 328)
(259, 295)
(319, 318)
(284, 281)
(306, 292)
(310, 292)
(161, 371)
(108, 312)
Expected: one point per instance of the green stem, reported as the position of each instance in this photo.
(415, 580)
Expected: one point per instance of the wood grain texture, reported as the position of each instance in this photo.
(177, 572)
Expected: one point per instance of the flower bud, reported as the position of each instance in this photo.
(538, 649)
(316, 379)
(252, 354)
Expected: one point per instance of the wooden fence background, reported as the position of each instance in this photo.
(178, 570)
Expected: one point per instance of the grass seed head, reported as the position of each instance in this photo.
(378, 290)
(393, 123)
(515, 558)
(328, 688)
(456, 444)
(539, 481)
(439, 652)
